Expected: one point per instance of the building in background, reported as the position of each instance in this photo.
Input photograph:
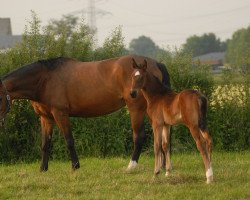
(215, 59)
(7, 40)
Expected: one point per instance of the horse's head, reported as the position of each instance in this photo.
(4, 101)
(138, 77)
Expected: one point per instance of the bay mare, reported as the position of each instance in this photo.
(60, 88)
(165, 108)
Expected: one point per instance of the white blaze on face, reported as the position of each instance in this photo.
(137, 73)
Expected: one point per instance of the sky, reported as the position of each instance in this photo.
(167, 22)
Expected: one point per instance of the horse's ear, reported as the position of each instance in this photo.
(134, 64)
(145, 65)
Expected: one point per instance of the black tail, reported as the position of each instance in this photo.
(203, 113)
(165, 75)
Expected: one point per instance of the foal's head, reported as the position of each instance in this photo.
(138, 77)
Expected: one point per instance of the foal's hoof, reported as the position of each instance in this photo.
(131, 166)
(156, 173)
(43, 168)
(167, 173)
(76, 166)
(209, 179)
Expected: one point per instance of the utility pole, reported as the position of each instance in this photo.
(92, 18)
(92, 14)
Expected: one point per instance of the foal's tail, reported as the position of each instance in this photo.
(203, 113)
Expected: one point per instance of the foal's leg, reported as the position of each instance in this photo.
(63, 123)
(166, 148)
(208, 140)
(47, 129)
(201, 145)
(137, 121)
(157, 148)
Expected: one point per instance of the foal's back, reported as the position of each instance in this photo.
(183, 107)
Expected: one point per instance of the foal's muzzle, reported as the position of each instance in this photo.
(133, 93)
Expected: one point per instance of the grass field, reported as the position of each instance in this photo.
(100, 178)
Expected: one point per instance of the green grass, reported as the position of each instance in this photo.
(100, 178)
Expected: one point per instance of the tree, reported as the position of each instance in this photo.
(113, 46)
(238, 51)
(206, 43)
(64, 25)
(144, 46)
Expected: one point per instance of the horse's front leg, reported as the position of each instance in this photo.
(166, 148)
(63, 122)
(157, 147)
(47, 129)
(137, 121)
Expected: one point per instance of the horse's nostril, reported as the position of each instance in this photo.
(133, 93)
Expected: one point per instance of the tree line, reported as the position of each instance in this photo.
(237, 48)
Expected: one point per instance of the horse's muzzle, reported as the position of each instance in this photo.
(133, 93)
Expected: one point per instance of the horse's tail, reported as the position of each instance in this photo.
(165, 74)
(203, 113)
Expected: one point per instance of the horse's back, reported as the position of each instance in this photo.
(92, 88)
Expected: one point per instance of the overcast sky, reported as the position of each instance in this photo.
(166, 22)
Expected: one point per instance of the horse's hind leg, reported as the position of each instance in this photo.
(208, 140)
(166, 148)
(47, 129)
(63, 122)
(137, 121)
(202, 147)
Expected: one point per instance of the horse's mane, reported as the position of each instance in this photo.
(53, 63)
(38, 66)
(159, 87)
(165, 75)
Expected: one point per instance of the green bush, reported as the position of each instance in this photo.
(102, 136)
(111, 135)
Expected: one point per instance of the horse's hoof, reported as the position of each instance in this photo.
(209, 179)
(167, 173)
(131, 166)
(156, 173)
(43, 169)
(76, 166)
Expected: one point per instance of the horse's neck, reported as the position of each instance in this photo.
(22, 85)
(154, 89)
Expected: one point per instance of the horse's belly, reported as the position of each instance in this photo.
(96, 107)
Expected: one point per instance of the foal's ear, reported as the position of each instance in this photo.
(134, 64)
(145, 65)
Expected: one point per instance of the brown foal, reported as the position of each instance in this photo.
(165, 108)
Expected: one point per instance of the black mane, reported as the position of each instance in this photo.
(160, 88)
(165, 75)
(53, 63)
(33, 68)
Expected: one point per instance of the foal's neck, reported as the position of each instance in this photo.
(153, 88)
(23, 83)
